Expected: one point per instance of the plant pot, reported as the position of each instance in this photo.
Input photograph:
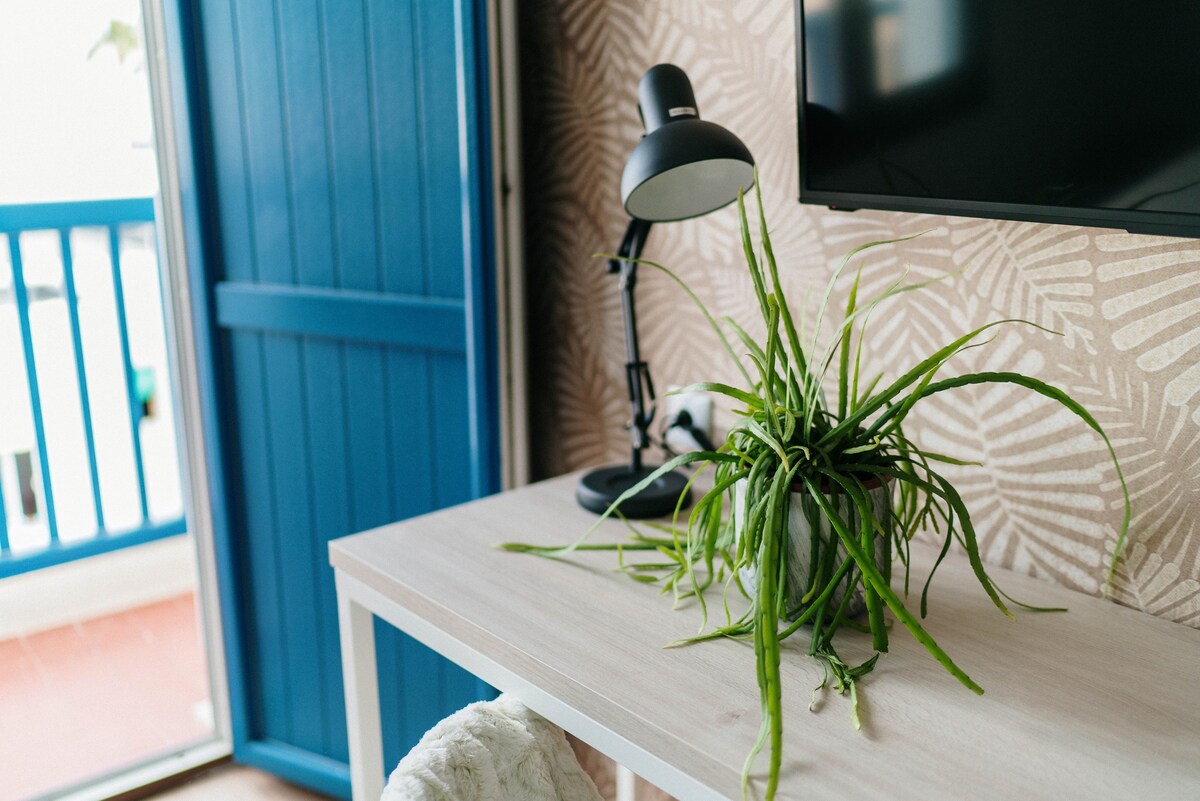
(802, 514)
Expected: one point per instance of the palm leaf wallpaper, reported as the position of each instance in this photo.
(1128, 306)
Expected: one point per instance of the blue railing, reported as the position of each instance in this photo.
(36, 515)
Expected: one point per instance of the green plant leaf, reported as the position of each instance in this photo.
(870, 573)
(756, 276)
(878, 401)
(557, 552)
(844, 363)
(753, 401)
(1055, 394)
(798, 359)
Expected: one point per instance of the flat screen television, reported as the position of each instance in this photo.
(1084, 112)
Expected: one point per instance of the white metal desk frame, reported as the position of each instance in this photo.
(358, 603)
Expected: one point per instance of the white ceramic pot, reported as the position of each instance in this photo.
(799, 542)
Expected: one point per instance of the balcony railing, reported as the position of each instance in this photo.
(88, 459)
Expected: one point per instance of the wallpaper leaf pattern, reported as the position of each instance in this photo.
(1127, 306)
(1035, 272)
(1155, 311)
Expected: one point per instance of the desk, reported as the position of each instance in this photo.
(1100, 703)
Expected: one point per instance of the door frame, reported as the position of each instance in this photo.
(185, 234)
(508, 193)
(165, 30)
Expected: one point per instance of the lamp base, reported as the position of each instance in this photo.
(600, 487)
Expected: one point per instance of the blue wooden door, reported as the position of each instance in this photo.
(344, 297)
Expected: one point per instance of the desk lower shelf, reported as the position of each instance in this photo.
(1100, 702)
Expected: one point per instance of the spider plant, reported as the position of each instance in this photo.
(794, 449)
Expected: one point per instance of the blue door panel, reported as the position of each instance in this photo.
(335, 438)
(347, 285)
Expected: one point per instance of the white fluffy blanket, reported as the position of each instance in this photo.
(491, 751)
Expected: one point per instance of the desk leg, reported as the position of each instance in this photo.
(357, 628)
(626, 784)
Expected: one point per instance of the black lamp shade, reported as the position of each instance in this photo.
(684, 166)
(685, 169)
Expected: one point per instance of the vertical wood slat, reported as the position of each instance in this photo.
(330, 486)
(396, 136)
(223, 72)
(31, 376)
(258, 546)
(450, 431)
(413, 444)
(287, 431)
(68, 266)
(434, 29)
(302, 80)
(420, 69)
(135, 410)
(350, 145)
(366, 429)
(266, 176)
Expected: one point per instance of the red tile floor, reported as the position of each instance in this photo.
(85, 699)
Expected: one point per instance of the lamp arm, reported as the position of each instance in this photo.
(637, 373)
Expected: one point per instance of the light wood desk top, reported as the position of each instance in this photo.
(1101, 702)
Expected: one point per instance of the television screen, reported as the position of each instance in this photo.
(1076, 111)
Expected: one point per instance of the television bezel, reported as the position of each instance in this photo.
(1139, 222)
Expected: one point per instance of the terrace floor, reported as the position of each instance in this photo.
(236, 783)
(84, 699)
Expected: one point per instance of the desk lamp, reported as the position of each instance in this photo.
(683, 167)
